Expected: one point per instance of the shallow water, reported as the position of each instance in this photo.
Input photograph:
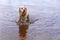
(44, 15)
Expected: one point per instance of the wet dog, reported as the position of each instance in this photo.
(23, 15)
(23, 19)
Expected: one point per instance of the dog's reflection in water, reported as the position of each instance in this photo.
(23, 31)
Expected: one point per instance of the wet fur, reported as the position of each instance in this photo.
(23, 15)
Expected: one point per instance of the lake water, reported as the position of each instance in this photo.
(45, 15)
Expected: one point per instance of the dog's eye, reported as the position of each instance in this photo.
(21, 8)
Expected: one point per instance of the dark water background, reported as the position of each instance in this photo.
(47, 27)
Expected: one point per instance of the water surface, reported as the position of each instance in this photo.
(47, 27)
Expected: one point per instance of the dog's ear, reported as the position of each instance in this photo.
(19, 10)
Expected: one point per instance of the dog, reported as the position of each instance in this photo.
(23, 19)
(23, 15)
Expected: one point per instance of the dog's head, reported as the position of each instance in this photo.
(22, 11)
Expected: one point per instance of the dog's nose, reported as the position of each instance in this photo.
(23, 10)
